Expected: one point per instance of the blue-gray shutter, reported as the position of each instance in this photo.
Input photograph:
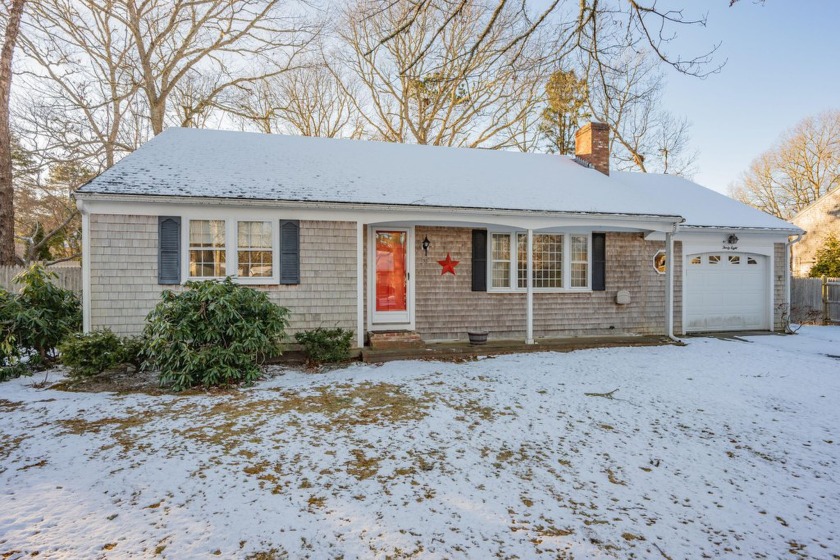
(599, 262)
(169, 249)
(289, 252)
(479, 260)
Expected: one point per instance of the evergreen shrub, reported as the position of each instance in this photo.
(213, 333)
(325, 345)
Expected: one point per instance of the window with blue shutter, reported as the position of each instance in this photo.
(289, 252)
(479, 260)
(599, 262)
(169, 249)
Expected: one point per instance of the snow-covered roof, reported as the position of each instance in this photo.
(701, 207)
(188, 162)
(243, 165)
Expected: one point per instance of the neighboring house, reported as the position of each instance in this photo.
(437, 241)
(819, 219)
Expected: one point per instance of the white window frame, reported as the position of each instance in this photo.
(492, 260)
(189, 247)
(274, 225)
(572, 261)
(513, 280)
(232, 250)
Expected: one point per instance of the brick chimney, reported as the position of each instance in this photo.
(592, 145)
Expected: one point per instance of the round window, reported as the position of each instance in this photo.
(659, 264)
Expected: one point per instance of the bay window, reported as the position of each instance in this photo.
(560, 261)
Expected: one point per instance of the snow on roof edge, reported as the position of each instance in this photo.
(191, 198)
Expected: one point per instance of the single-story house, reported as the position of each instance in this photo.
(427, 241)
(820, 219)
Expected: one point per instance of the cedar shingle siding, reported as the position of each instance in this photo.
(447, 306)
(124, 284)
(124, 274)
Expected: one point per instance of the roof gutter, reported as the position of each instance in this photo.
(82, 197)
(786, 231)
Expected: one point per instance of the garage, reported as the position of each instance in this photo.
(726, 292)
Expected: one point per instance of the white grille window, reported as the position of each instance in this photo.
(560, 261)
(547, 260)
(208, 258)
(501, 260)
(580, 261)
(254, 252)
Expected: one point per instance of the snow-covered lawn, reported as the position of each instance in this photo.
(717, 449)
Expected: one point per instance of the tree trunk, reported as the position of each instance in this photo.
(157, 111)
(7, 209)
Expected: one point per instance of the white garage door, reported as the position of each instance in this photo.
(726, 292)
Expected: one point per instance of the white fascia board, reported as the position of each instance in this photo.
(687, 235)
(368, 213)
(694, 242)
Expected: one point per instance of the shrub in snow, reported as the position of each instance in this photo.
(92, 353)
(132, 350)
(326, 345)
(214, 333)
(35, 320)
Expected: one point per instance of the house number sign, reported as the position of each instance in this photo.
(731, 243)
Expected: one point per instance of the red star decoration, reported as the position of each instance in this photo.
(448, 265)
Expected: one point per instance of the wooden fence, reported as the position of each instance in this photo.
(815, 300)
(68, 277)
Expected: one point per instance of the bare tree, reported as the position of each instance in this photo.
(82, 90)
(7, 211)
(671, 146)
(238, 42)
(590, 28)
(310, 101)
(46, 219)
(433, 83)
(103, 76)
(626, 94)
(803, 166)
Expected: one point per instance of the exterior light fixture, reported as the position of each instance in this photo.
(426, 245)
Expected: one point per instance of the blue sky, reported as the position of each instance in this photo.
(783, 64)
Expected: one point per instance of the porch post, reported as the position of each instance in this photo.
(669, 281)
(529, 282)
(360, 285)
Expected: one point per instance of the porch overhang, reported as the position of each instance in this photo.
(379, 213)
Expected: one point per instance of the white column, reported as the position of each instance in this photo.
(86, 256)
(360, 285)
(669, 280)
(529, 338)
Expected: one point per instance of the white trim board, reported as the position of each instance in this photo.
(372, 214)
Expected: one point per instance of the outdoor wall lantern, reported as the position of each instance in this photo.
(426, 245)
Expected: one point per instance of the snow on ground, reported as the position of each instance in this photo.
(721, 448)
